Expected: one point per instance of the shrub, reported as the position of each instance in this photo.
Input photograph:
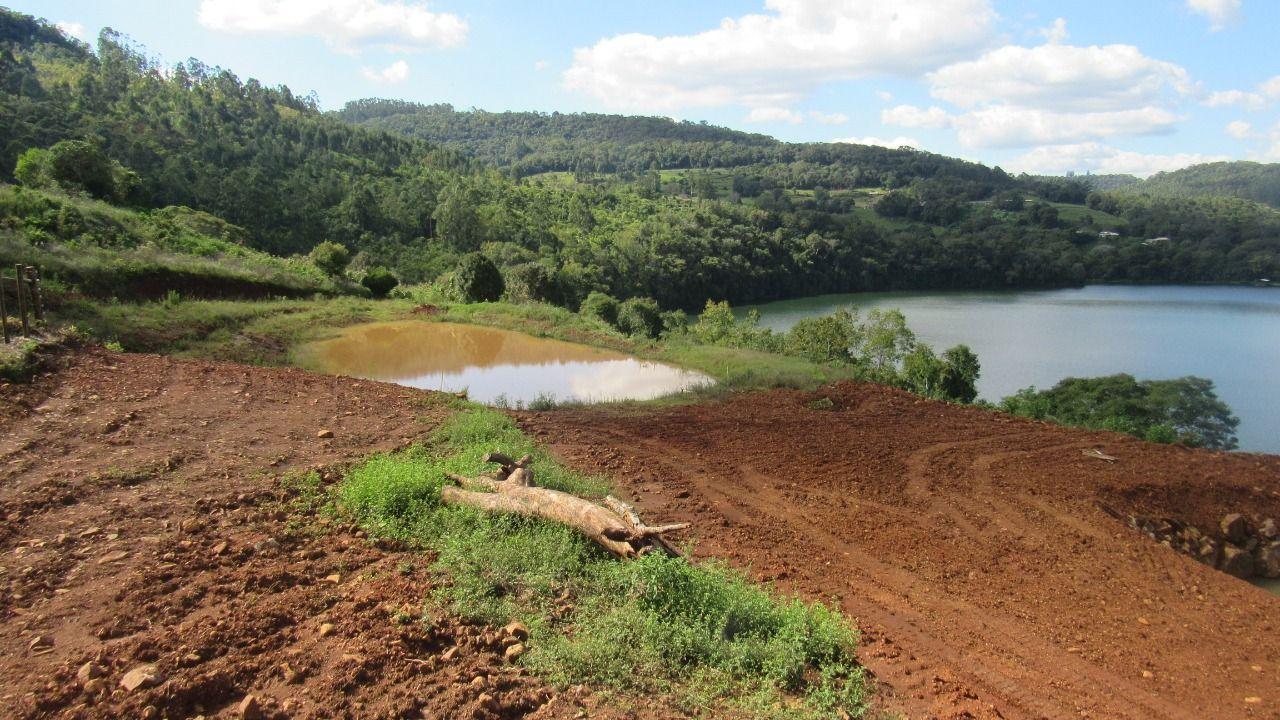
(602, 307)
(380, 281)
(531, 282)
(640, 316)
(330, 257)
(477, 279)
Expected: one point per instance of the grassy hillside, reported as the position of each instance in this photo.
(99, 250)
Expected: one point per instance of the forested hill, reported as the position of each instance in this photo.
(262, 158)
(528, 143)
(1242, 179)
(104, 147)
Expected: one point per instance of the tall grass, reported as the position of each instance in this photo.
(699, 633)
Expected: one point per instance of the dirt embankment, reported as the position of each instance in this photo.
(970, 546)
(145, 523)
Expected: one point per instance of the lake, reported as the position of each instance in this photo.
(1229, 334)
(492, 364)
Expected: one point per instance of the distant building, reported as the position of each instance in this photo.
(1156, 241)
(1108, 234)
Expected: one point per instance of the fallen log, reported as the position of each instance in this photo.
(615, 526)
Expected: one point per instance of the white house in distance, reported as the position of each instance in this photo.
(1156, 241)
(1108, 234)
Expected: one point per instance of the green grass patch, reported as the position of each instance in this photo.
(700, 634)
(263, 332)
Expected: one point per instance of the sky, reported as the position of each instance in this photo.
(1041, 86)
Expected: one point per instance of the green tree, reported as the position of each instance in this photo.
(379, 281)
(602, 307)
(477, 279)
(531, 282)
(960, 374)
(1186, 409)
(884, 339)
(640, 316)
(457, 217)
(330, 257)
(826, 339)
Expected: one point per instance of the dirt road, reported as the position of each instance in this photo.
(969, 546)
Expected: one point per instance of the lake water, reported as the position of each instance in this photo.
(1228, 334)
(491, 364)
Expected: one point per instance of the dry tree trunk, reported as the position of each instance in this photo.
(615, 526)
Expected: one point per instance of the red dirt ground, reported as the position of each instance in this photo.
(143, 520)
(969, 546)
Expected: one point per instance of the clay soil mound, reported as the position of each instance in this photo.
(969, 545)
(147, 518)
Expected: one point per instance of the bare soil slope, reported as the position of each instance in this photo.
(144, 521)
(969, 545)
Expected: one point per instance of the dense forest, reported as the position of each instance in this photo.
(679, 212)
(1245, 180)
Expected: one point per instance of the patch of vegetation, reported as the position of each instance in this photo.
(262, 332)
(87, 247)
(880, 348)
(1185, 410)
(697, 632)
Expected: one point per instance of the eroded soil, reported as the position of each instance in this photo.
(150, 517)
(970, 546)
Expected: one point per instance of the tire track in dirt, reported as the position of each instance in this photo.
(967, 544)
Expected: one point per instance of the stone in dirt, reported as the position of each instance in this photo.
(1266, 560)
(324, 434)
(1236, 561)
(111, 557)
(89, 671)
(516, 629)
(1268, 529)
(1235, 527)
(514, 652)
(143, 676)
(249, 708)
(326, 629)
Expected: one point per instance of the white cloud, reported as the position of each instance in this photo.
(73, 29)
(882, 142)
(1239, 98)
(885, 95)
(1271, 88)
(1012, 126)
(1061, 77)
(345, 24)
(1057, 32)
(1099, 158)
(774, 115)
(912, 116)
(396, 72)
(828, 118)
(777, 58)
(541, 65)
(1240, 130)
(1018, 96)
(1219, 12)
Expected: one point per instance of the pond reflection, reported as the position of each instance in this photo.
(491, 363)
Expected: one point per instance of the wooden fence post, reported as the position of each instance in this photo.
(33, 289)
(22, 303)
(4, 315)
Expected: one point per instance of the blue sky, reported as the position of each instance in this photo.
(1031, 85)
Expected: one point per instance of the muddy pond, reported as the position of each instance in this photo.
(494, 366)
